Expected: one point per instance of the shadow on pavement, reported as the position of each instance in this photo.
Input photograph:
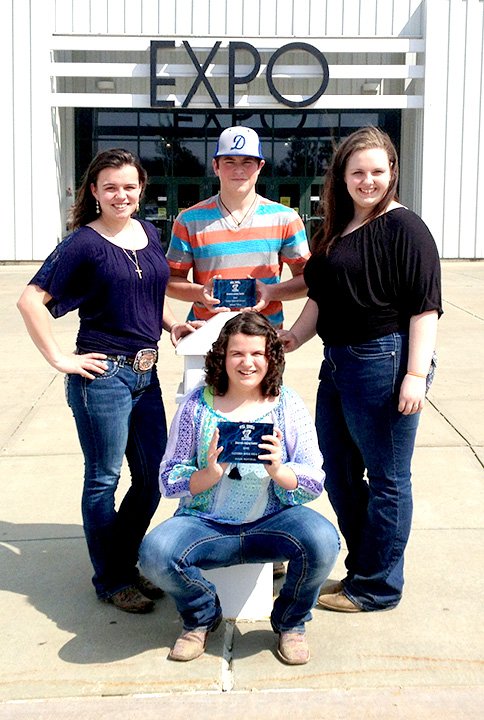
(53, 572)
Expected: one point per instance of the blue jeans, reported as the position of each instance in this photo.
(174, 554)
(119, 413)
(360, 429)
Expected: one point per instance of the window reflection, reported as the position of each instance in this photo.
(119, 142)
(358, 119)
(319, 154)
(290, 157)
(182, 144)
(289, 120)
(322, 120)
(119, 119)
(159, 119)
(188, 157)
(156, 156)
(177, 148)
(189, 120)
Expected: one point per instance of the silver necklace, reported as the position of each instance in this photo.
(134, 260)
(238, 223)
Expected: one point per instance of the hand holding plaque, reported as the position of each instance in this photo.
(240, 441)
(235, 294)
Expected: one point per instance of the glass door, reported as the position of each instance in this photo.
(289, 194)
(156, 206)
(166, 197)
(302, 195)
(295, 193)
(186, 193)
(313, 220)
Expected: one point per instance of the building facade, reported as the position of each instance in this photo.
(164, 77)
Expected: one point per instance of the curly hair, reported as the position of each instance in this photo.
(336, 206)
(248, 322)
(83, 210)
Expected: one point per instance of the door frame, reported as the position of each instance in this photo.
(208, 186)
(170, 203)
(307, 205)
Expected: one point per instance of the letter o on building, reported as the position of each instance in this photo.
(305, 47)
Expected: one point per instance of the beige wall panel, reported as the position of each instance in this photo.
(270, 18)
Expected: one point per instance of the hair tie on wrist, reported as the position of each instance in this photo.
(409, 372)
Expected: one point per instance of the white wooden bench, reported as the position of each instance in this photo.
(245, 591)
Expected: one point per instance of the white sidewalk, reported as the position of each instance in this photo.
(63, 651)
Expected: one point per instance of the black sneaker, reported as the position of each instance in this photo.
(131, 600)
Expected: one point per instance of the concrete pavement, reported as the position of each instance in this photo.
(66, 655)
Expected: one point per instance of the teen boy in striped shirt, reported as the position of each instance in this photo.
(236, 234)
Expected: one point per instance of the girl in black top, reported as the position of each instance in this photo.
(374, 299)
(111, 269)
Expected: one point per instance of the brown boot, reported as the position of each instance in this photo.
(331, 588)
(148, 589)
(131, 600)
(293, 648)
(191, 643)
(338, 602)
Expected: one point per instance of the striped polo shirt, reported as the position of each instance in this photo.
(209, 243)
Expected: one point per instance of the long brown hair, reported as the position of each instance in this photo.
(336, 206)
(247, 323)
(84, 209)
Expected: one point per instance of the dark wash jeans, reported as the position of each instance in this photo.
(175, 553)
(359, 428)
(119, 413)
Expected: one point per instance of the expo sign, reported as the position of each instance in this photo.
(233, 79)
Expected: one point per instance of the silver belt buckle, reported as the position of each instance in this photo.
(144, 360)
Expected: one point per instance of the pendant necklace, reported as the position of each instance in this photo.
(238, 223)
(134, 260)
